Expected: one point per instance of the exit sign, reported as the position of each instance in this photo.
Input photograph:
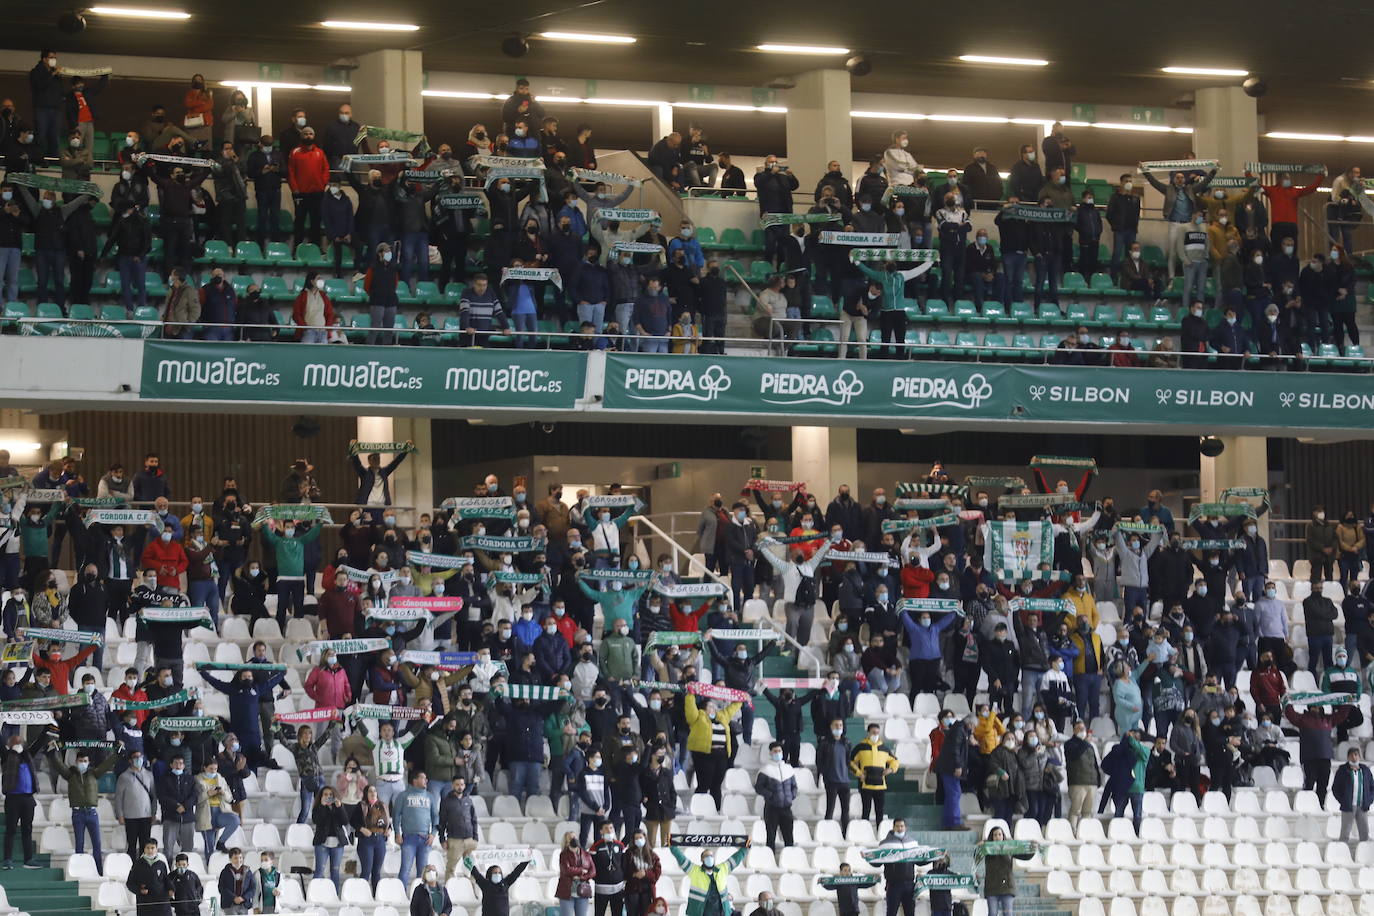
(270, 72)
(1140, 114)
(1085, 113)
(758, 471)
(700, 92)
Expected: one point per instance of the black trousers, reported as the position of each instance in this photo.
(833, 791)
(777, 819)
(19, 822)
(892, 325)
(137, 831)
(616, 903)
(875, 800)
(710, 769)
(1316, 775)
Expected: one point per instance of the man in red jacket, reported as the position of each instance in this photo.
(307, 171)
(1283, 205)
(167, 557)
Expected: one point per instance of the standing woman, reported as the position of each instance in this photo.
(575, 873)
(200, 109)
(709, 741)
(999, 885)
(372, 823)
(331, 834)
(306, 750)
(495, 886)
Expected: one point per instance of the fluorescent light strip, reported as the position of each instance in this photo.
(589, 37)
(989, 119)
(800, 49)
(132, 12)
(711, 106)
(1203, 71)
(255, 84)
(331, 87)
(453, 94)
(570, 99)
(1316, 138)
(370, 26)
(1004, 61)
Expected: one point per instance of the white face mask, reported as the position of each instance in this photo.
(319, 283)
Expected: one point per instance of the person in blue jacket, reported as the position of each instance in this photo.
(924, 635)
(551, 653)
(590, 288)
(691, 248)
(245, 695)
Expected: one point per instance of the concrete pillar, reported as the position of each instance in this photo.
(413, 482)
(386, 90)
(262, 107)
(818, 124)
(825, 457)
(1243, 463)
(1226, 127)
(661, 124)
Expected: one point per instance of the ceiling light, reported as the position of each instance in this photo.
(1288, 135)
(593, 37)
(370, 26)
(18, 445)
(254, 84)
(711, 106)
(1004, 61)
(449, 94)
(1203, 71)
(968, 119)
(133, 12)
(331, 87)
(801, 49)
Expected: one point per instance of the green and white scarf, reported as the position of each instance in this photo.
(172, 699)
(55, 634)
(830, 882)
(387, 576)
(977, 480)
(122, 517)
(673, 638)
(58, 185)
(690, 589)
(637, 247)
(1186, 165)
(859, 556)
(906, 504)
(1208, 509)
(1317, 698)
(948, 881)
(1041, 605)
(385, 612)
(791, 219)
(517, 578)
(287, 512)
(184, 724)
(480, 507)
(887, 855)
(533, 274)
(17, 481)
(628, 215)
(382, 711)
(55, 495)
(56, 701)
(1202, 544)
(343, 646)
(1064, 461)
(1294, 168)
(538, 692)
(608, 501)
(28, 717)
(592, 176)
(392, 448)
(196, 615)
(660, 686)
(1034, 214)
(100, 502)
(1244, 493)
(1005, 848)
(492, 543)
(1232, 181)
(460, 202)
(744, 634)
(87, 71)
(1139, 527)
(1034, 500)
(1014, 549)
(505, 162)
(390, 158)
(895, 254)
(950, 489)
(436, 560)
(930, 605)
(896, 525)
(239, 666)
(637, 576)
(863, 239)
(192, 162)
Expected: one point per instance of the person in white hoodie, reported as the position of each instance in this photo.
(776, 782)
(901, 166)
(800, 588)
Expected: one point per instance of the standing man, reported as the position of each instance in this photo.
(135, 803)
(775, 185)
(1354, 789)
(19, 781)
(374, 481)
(1123, 215)
(149, 884)
(417, 820)
(899, 877)
(83, 793)
(950, 767)
(776, 782)
(45, 82)
(308, 175)
(176, 796)
(740, 535)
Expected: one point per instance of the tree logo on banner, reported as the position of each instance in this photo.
(804, 388)
(923, 392)
(676, 384)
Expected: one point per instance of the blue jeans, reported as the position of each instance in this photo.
(414, 855)
(1087, 692)
(1030, 689)
(524, 778)
(525, 326)
(653, 344)
(221, 332)
(414, 256)
(1048, 267)
(383, 324)
(1014, 269)
(953, 792)
(223, 823)
(1121, 243)
(1136, 596)
(132, 277)
(1001, 905)
(371, 854)
(595, 312)
(437, 789)
(984, 289)
(52, 270)
(9, 272)
(624, 311)
(1194, 282)
(335, 858)
(205, 593)
(86, 820)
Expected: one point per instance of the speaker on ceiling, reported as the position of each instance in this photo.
(305, 427)
(858, 65)
(1211, 446)
(71, 22)
(1255, 87)
(515, 46)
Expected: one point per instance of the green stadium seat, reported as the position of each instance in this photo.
(823, 308)
(937, 309)
(451, 327)
(102, 215)
(358, 327)
(274, 289)
(997, 340)
(1152, 255)
(453, 292)
(28, 282)
(156, 251)
(26, 242)
(152, 282)
(1161, 316)
(1050, 313)
(550, 328)
(14, 311)
(1073, 282)
(963, 342)
(428, 290)
(755, 241)
(1024, 312)
(217, 253)
(1101, 282)
(1024, 344)
(116, 315)
(1079, 313)
(965, 310)
(914, 315)
(49, 314)
(406, 297)
(310, 255)
(1105, 316)
(241, 282)
(706, 237)
(934, 341)
(79, 311)
(404, 332)
(733, 240)
(336, 288)
(733, 270)
(279, 255)
(760, 271)
(994, 312)
(250, 253)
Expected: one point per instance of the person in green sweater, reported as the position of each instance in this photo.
(892, 318)
(35, 527)
(83, 794)
(617, 603)
(707, 894)
(619, 658)
(290, 553)
(269, 878)
(561, 731)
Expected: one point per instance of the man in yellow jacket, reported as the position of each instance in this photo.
(709, 740)
(1087, 669)
(1084, 604)
(871, 762)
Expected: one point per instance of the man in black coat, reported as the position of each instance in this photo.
(839, 184)
(846, 512)
(950, 766)
(148, 883)
(740, 536)
(774, 185)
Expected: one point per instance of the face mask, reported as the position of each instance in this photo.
(47, 204)
(708, 861)
(1269, 593)
(1135, 256)
(166, 536)
(865, 207)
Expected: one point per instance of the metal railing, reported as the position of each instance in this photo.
(546, 340)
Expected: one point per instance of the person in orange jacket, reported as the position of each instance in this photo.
(307, 172)
(166, 555)
(61, 668)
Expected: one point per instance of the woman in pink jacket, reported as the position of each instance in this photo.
(327, 684)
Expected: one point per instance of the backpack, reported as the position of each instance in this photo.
(806, 590)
